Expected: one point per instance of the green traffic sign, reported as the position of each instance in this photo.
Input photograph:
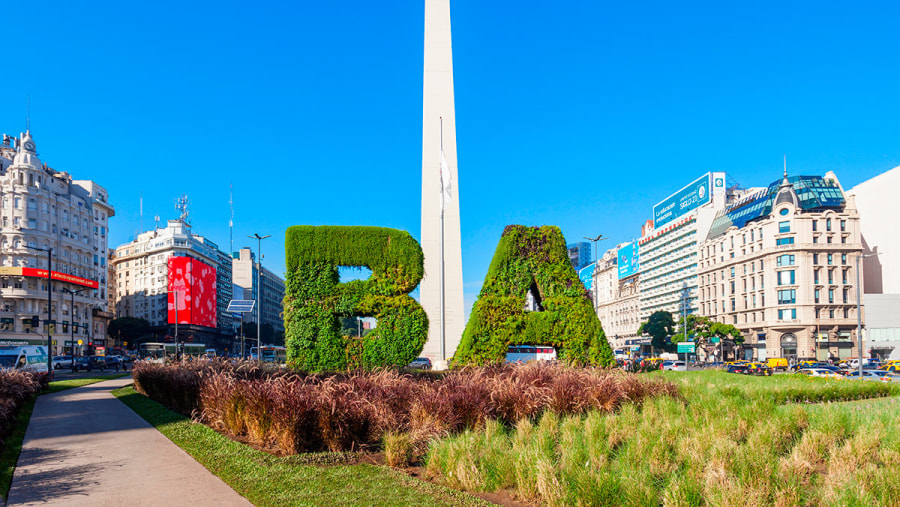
(687, 347)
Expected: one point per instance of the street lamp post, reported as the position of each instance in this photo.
(258, 239)
(859, 311)
(72, 293)
(594, 241)
(49, 251)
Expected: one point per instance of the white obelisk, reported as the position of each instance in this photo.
(439, 135)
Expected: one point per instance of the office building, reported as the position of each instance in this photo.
(579, 254)
(270, 287)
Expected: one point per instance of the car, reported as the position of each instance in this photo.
(872, 375)
(891, 368)
(62, 362)
(819, 372)
(758, 369)
(420, 363)
(674, 366)
(113, 363)
(736, 368)
(90, 363)
(777, 363)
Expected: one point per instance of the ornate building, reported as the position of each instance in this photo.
(49, 221)
(780, 265)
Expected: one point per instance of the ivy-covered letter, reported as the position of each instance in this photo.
(533, 259)
(315, 299)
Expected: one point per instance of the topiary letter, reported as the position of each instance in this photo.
(314, 298)
(536, 259)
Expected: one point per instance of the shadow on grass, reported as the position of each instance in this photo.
(265, 479)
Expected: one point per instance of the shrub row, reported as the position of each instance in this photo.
(292, 413)
(16, 388)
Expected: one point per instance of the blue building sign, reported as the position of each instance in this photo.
(628, 260)
(684, 201)
(586, 275)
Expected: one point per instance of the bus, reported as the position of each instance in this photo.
(155, 350)
(270, 354)
(526, 353)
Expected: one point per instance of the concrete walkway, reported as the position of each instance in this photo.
(85, 447)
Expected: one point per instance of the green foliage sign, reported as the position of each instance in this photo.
(535, 259)
(315, 299)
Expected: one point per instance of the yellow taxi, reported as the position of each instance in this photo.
(759, 369)
(891, 368)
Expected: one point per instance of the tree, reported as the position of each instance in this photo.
(659, 326)
(128, 329)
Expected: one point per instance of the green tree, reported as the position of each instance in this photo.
(660, 326)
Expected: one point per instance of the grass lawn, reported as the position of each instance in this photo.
(733, 440)
(13, 446)
(268, 480)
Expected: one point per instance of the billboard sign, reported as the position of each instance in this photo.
(192, 285)
(689, 198)
(586, 275)
(54, 275)
(628, 260)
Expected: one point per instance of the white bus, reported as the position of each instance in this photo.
(526, 353)
(155, 350)
(270, 354)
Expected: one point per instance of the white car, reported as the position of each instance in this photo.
(675, 366)
(820, 372)
(62, 362)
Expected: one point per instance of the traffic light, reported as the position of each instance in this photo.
(35, 321)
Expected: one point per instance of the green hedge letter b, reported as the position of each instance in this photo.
(315, 299)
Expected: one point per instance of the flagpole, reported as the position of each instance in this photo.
(443, 354)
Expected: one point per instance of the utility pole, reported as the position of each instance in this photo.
(258, 239)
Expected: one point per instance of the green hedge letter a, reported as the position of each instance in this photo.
(314, 299)
(533, 259)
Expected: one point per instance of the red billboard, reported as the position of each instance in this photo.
(193, 285)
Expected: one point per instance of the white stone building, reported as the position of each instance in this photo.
(46, 211)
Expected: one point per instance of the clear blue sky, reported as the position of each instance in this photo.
(580, 114)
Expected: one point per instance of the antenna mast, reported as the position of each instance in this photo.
(181, 205)
(231, 220)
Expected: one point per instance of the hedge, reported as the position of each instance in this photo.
(536, 259)
(315, 298)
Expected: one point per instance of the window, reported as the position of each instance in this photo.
(814, 225)
(787, 297)
(830, 276)
(817, 294)
(843, 225)
(843, 239)
(18, 203)
(843, 258)
(784, 212)
(844, 276)
(831, 295)
(815, 258)
(786, 277)
(32, 204)
(828, 224)
(831, 313)
(732, 272)
(784, 227)
(830, 259)
(732, 304)
(754, 301)
(784, 241)
(846, 313)
(762, 283)
(784, 260)
(788, 313)
(846, 295)
(732, 286)
(828, 239)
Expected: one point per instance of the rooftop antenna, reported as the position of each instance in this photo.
(231, 220)
(181, 205)
(785, 165)
(156, 219)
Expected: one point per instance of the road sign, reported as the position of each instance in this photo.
(687, 347)
(241, 305)
(80, 342)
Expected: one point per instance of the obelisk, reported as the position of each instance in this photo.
(439, 134)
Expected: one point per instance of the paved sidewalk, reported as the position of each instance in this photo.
(85, 447)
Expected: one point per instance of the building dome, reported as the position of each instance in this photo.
(786, 193)
(27, 154)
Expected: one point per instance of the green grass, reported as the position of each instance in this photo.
(62, 385)
(733, 440)
(13, 445)
(268, 480)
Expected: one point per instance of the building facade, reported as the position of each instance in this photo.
(617, 300)
(143, 278)
(271, 295)
(579, 254)
(51, 224)
(780, 266)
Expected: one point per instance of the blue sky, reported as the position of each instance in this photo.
(580, 114)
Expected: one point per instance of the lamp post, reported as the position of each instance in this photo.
(175, 297)
(258, 239)
(594, 241)
(859, 311)
(72, 293)
(49, 251)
